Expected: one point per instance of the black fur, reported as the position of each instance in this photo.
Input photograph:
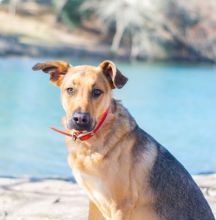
(178, 196)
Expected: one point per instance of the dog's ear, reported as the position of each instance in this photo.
(114, 76)
(56, 69)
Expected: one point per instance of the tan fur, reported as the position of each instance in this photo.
(104, 168)
(105, 165)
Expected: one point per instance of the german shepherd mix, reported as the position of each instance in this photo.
(125, 172)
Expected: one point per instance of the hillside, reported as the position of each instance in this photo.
(37, 33)
(180, 31)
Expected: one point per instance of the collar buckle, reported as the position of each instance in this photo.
(74, 138)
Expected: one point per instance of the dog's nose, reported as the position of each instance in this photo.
(81, 118)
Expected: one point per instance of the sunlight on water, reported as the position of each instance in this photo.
(176, 104)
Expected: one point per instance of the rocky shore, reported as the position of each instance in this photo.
(59, 199)
(41, 36)
(186, 34)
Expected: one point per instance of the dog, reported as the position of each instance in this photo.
(126, 173)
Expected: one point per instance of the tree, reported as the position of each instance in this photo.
(13, 5)
(125, 14)
(160, 28)
(140, 19)
(59, 6)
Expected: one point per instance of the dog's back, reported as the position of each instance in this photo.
(177, 195)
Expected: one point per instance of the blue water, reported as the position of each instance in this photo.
(175, 103)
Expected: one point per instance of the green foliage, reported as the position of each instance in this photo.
(70, 13)
(71, 10)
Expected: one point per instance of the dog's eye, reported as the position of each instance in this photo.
(96, 93)
(70, 91)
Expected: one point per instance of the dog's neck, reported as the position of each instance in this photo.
(117, 125)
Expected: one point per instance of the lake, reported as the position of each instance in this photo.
(175, 103)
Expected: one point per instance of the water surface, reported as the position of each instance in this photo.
(175, 103)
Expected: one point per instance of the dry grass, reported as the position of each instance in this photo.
(42, 30)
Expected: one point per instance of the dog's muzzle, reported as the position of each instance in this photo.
(80, 121)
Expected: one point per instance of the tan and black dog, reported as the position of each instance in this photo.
(125, 172)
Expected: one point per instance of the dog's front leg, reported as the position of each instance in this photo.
(123, 211)
(121, 214)
(94, 213)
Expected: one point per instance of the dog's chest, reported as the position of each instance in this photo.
(95, 188)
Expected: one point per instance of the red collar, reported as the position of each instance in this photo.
(85, 136)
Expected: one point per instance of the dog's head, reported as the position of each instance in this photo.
(86, 91)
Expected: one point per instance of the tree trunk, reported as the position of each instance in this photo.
(12, 6)
(59, 8)
(120, 27)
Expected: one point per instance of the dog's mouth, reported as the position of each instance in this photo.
(81, 128)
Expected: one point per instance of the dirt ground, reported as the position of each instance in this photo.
(55, 199)
(34, 32)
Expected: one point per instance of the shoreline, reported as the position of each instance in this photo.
(61, 198)
(35, 31)
(121, 59)
(67, 51)
(83, 53)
